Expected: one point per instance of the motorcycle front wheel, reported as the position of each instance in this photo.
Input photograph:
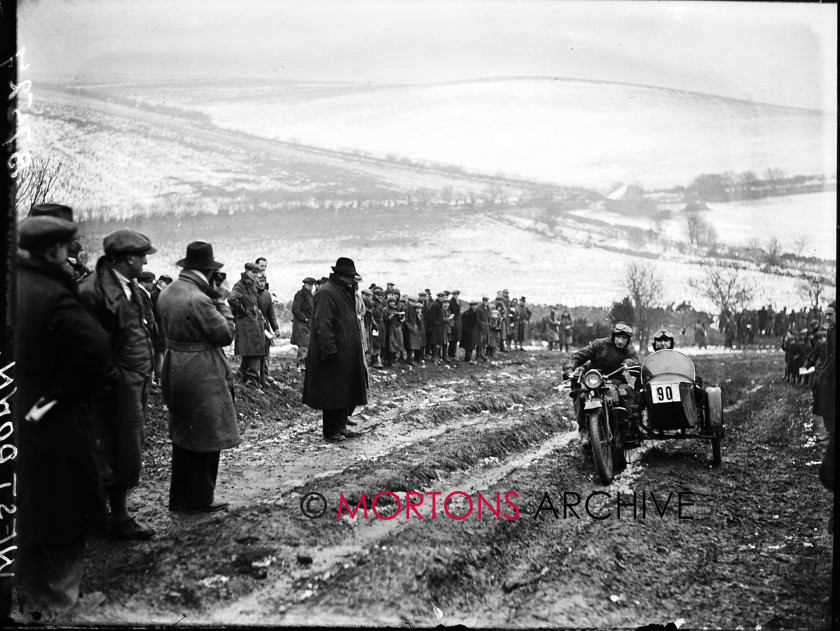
(599, 440)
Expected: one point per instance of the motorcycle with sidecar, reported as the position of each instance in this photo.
(673, 401)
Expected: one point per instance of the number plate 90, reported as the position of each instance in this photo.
(665, 392)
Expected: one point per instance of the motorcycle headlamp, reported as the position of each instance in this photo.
(593, 379)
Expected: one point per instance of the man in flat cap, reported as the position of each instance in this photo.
(336, 378)
(302, 307)
(197, 380)
(113, 298)
(265, 302)
(61, 357)
(249, 341)
(52, 210)
(470, 331)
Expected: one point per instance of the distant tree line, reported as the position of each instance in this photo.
(730, 186)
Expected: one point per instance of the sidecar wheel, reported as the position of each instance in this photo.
(714, 420)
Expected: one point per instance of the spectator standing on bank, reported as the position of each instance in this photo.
(455, 329)
(824, 391)
(61, 355)
(249, 340)
(553, 326)
(566, 330)
(437, 316)
(414, 332)
(700, 334)
(336, 379)
(266, 306)
(377, 335)
(158, 339)
(483, 317)
(302, 306)
(112, 297)
(367, 300)
(470, 332)
(197, 380)
(523, 317)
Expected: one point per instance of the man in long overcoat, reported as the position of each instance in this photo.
(455, 330)
(249, 341)
(483, 317)
(266, 304)
(437, 324)
(111, 295)
(61, 355)
(824, 387)
(336, 377)
(411, 331)
(197, 380)
(302, 306)
(470, 332)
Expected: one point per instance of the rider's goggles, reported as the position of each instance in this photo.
(623, 328)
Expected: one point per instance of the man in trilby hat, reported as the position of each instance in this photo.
(197, 380)
(336, 376)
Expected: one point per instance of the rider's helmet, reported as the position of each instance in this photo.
(622, 328)
(663, 339)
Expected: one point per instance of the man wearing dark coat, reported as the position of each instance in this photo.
(483, 316)
(266, 306)
(302, 306)
(158, 340)
(455, 331)
(437, 324)
(249, 341)
(197, 380)
(336, 377)
(824, 387)
(470, 331)
(112, 297)
(61, 356)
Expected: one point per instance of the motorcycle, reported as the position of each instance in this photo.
(599, 410)
(673, 402)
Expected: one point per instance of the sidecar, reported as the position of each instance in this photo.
(675, 403)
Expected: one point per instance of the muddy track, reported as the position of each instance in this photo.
(752, 551)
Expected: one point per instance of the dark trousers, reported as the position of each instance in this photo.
(335, 421)
(193, 478)
(468, 354)
(249, 369)
(264, 362)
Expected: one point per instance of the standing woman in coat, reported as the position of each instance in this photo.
(336, 378)
(197, 380)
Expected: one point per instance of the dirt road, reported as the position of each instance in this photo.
(746, 544)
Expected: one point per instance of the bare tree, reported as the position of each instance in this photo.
(645, 290)
(724, 286)
(800, 244)
(773, 251)
(812, 288)
(36, 182)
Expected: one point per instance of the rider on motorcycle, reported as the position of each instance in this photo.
(662, 340)
(607, 354)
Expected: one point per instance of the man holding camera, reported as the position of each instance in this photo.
(249, 341)
(197, 379)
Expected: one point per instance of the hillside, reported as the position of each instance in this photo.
(174, 175)
(568, 132)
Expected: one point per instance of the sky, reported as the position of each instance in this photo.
(780, 53)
